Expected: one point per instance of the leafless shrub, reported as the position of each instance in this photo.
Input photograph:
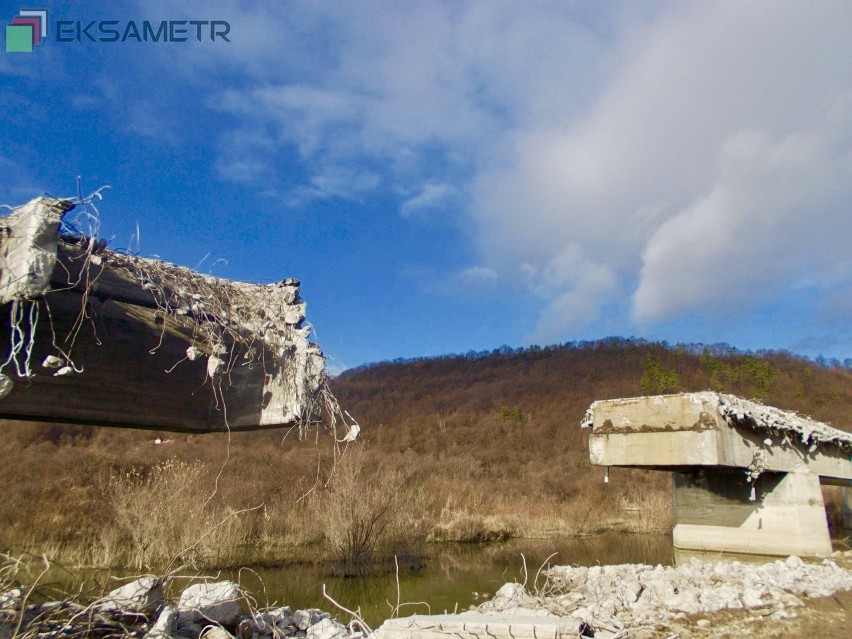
(161, 514)
(372, 511)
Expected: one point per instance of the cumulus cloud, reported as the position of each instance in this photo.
(424, 91)
(712, 171)
(652, 162)
(771, 219)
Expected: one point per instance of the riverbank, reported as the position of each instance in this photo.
(779, 599)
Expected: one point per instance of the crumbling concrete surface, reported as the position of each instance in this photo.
(86, 321)
(708, 409)
(713, 429)
(28, 245)
(626, 600)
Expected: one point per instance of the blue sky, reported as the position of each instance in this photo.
(448, 176)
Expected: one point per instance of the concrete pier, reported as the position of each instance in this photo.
(713, 511)
(746, 477)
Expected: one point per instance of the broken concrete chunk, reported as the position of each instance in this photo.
(162, 628)
(351, 434)
(258, 625)
(304, 619)
(6, 385)
(142, 595)
(234, 323)
(511, 593)
(11, 599)
(217, 602)
(29, 250)
(294, 314)
(51, 361)
(327, 629)
(215, 365)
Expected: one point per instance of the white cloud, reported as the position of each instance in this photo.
(477, 276)
(335, 182)
(430, 197)
(426, 91)
(679, 158)
(771, 219)
(712, 170)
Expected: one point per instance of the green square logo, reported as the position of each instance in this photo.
(19, 38)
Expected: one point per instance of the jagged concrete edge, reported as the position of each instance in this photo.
(738, 411)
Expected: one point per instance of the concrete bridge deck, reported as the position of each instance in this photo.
(94, 336)
(746, 476)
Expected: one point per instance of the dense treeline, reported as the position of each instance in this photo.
(470, 447)
(579, 373)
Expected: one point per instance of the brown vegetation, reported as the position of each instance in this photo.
(467, 448)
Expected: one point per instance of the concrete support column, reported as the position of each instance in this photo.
(846, 496)
(714, 511)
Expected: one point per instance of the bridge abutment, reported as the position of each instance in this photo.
(713, 444)
(714, 511)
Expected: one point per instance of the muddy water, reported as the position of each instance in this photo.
(455, 576)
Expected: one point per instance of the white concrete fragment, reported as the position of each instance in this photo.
(162, 628)
(217, 602)
(142, 595)
(11, 599)
(351, 434)
(215, 366)
(28, 250)
(327, 629)
(304, 619)
(476, 624)
(51, 361)
(6, 385)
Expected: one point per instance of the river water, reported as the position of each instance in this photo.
(455, 576)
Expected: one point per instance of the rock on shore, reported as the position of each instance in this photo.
(631, 595)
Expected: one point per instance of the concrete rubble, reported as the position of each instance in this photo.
(216, 602)
(614, 599)
(213, 610)
(774, 421)
(142, 595)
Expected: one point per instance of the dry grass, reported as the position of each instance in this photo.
(162, 515)
(442, 461)
(372, 511)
